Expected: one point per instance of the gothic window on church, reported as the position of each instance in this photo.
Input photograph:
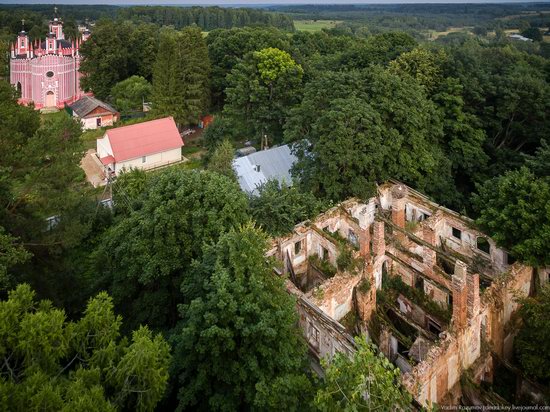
(49, 74)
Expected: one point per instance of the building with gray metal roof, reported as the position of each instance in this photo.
(257, 168)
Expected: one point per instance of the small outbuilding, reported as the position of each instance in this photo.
(93, 113)
(146, 145)
(259, 167)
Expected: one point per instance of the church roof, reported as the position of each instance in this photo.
(142, 139)
(86, 104)
(60, 43)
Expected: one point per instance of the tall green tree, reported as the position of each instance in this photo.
(277, 208)
(260, 92)
(539, 164)
(51, 363)
(130, 94)
(379, 49)
(40, 178)
(508, 91)
(4, 56)
(145, 255)
(463, 139)
(421, 64)
(364, 381)
(532, 344)
(514, 209)
(221, 160)
(11, 254)
(116, 51)
(355, 129)
(532, 33)
(226, 48)
(238, 336)
(181, 76)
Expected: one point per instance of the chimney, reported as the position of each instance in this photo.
(473, 295)
(460, 295)
(378, 240)
(428, 255)
(364, 243)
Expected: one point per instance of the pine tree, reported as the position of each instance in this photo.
(180, 76)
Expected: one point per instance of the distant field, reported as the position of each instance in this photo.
(433, 35)
(315, 25)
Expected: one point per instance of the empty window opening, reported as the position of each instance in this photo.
(324, 253)
(457, 233)
(434, 327)
(385, 269)
(143, 159)
(483, 245)
(297, 247)
(313, 334)
(352, 237)
(419, 284)
(445, 264)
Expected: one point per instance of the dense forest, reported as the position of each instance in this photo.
(418, 17)
(207, 18)
(166, 300)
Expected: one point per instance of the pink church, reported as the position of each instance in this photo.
(46, 72)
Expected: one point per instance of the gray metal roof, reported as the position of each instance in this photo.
(86, 104)
(273, 163)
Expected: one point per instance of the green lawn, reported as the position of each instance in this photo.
(56, 115)
(315, 25)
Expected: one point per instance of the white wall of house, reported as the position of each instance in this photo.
(104, 147)
(90, 123)
(149, 161)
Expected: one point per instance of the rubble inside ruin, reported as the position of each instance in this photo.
(436, 295)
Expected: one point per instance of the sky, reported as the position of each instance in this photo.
(249, 2)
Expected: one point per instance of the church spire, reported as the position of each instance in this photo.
(56, 26)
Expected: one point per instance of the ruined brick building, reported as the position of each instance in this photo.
(437, 296)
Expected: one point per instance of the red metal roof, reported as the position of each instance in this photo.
(107, 160)
(142, 139)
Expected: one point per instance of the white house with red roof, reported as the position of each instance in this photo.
(144, 146)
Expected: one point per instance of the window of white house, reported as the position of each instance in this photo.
(143, 159)
(457, 233)
(297, 247)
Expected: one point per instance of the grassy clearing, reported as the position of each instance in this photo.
(433, 35)
(315, 25)
(89, 137)
(53, 116)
